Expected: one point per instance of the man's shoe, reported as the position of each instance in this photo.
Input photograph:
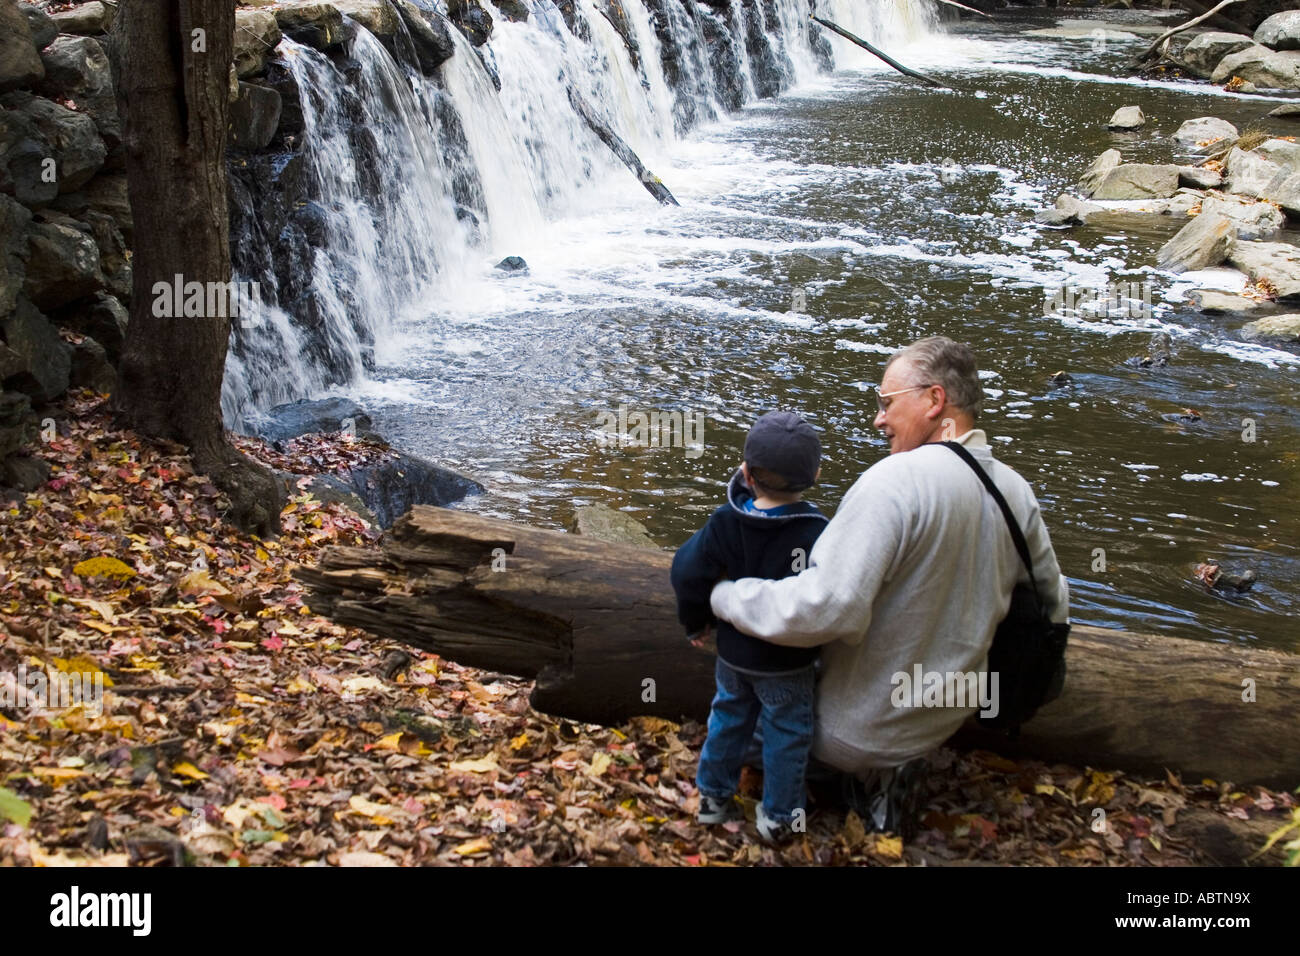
(772, 832)
(889, 800)
(714, 810)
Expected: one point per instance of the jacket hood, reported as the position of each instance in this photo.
(738, 494)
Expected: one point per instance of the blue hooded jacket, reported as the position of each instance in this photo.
(735, 544)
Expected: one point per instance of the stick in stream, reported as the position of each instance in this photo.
(622, 150)
(871, 49)
(1180, 28)
(962, 6)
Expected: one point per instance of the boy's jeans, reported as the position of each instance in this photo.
(782, 706)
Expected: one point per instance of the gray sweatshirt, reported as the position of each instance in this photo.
(916, 567)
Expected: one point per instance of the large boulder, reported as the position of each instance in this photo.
(1267, 69)
(607, 524)
(1285, 191)
(308, 416)
(1283, 328)
(391, 487)
(14, 219)
(20, 64)
(1206, 50)
(1206, 133)
(41, 25)
(62, 262)
(103, 318)
(87, 19)
(1199, 177)
(1069, 210)
(77, 69)
(516, 11)
(1216, 302)
(1249, 172)
(318, 25)
(256, 34)
(1138, 181)
(114, 257)
(471, 19)
(380, 17)
(73, 137)
(254, 117)
(18, 426)
(1276, 262)
(1202, 243)
(46, 358)
(91, 367)
(1100, 168)
(1253, 220)
(1281, 31)
(25, 173)
(1127, 117)
(430, 34)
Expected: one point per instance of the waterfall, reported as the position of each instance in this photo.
(407, 185)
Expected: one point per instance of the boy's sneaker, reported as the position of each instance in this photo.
(715, 810)
(772, 832)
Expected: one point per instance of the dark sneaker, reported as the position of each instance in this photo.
(714, 810)
(772, 832)
(889, 800)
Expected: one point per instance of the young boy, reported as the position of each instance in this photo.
(764, 531)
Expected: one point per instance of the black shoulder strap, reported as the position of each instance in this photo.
(1022, 547)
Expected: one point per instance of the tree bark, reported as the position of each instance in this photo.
(175, 69)
(595, 625)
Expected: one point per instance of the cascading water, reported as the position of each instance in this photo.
(418, 183)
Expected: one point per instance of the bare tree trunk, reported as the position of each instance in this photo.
(175, 69)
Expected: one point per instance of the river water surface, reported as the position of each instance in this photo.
(820, 231)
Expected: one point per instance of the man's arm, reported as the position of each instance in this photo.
(1052, 584)
(833, 597)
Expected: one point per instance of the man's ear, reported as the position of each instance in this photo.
(937, 404)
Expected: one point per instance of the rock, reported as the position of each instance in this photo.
(307, 416)
(1283, 327)
(1253, 220)
(606, 524)
(326, 488)
(41, 24)
(77, 69)
(1206, 133)
(20, 64)
(1284, 190)
(1202, 243)
(254, 117)
(318, 25)
(114, 259)
(1061, 380)
(1159, 352)
(91, 367)
(1286, 111)
(1276, 262)
(14, 219)
(1054, 217)
(62, 263)
(104, 319)
(515, 10)
(11, 363)
(380, 17)
(107, 194)
(1249, 172)
(1268, 69)
(1238, 85)
(1137, 181)
(87, 19)
(1215, 302)
(429, 34)
(18, 426)
(1281, 31)
(46, 358)
(1127, 117)
(390, 488)
(73, 136)
(1198, 177)
(1100, 168)
(1068, 210)
(512, 264)
(24, 172)
(256, 35)
(1205, 50)
(471, 19)
(23, 472)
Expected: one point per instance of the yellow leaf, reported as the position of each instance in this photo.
(1046, 788)
(518, 743)
(484, 765)
(368, 808)
(300, 686)
(81, 664)
(200, 582)
(391, 742)
(477, 845)
(101, 567)
(356, 685)
(102, 608)
(891, 848)
(600, 763)
(285, 627)
(187, 769)
(57, 775)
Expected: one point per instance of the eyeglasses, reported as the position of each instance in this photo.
(881, 396)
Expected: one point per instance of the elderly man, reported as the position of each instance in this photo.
(916, 568)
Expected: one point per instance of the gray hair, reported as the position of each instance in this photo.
(939, 360)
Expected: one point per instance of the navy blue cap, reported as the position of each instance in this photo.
(785, 444)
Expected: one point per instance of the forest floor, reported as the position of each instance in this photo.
(236, 727)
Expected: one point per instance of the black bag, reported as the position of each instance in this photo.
(1028, 651)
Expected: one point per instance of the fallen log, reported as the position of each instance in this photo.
(653, 184)
(884, 56)
(595, 625)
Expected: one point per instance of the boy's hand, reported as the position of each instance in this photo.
(704, 640)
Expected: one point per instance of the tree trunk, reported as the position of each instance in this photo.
(175, 82)
(595, 625)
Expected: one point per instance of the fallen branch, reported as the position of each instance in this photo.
(962, 6)
(1146, 55)
(871, 49)
(653, 184)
